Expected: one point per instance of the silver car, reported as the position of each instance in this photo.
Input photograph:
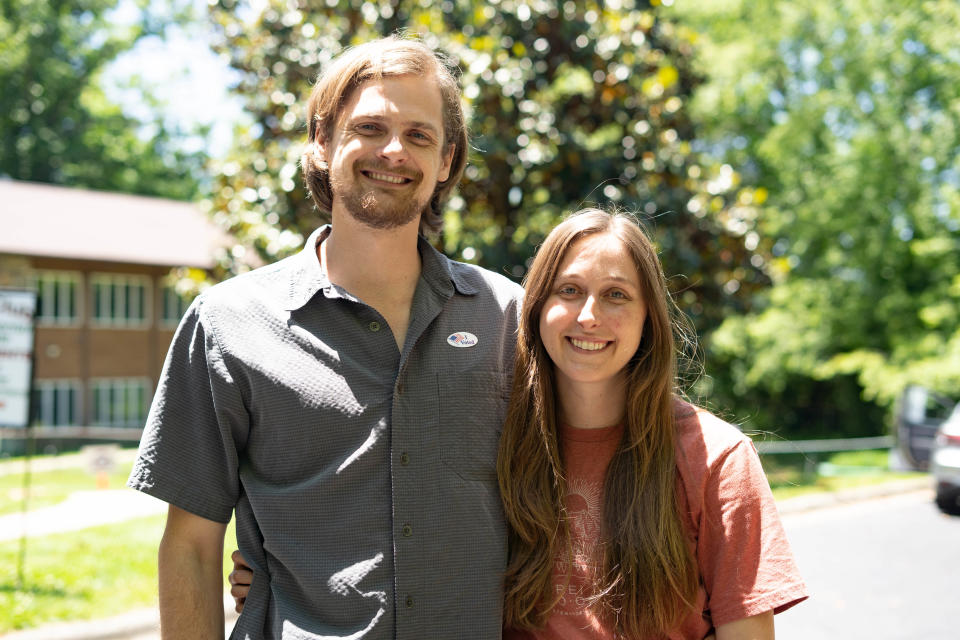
(945, 463)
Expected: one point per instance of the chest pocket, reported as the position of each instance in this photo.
(472, 409)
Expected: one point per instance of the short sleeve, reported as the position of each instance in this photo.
(188, 453)
(744, 557)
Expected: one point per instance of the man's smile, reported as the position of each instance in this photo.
(389, 178)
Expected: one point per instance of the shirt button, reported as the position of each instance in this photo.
(374, 326)
(407, 531)
(404, 458)
(409, 602)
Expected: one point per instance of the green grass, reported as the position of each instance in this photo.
(87, 574)
(791, 475)
(872, 458)
(51, 487)
(84, 575)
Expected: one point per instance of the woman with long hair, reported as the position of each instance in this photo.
(632, 513)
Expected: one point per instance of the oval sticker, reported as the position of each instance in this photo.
(461, 339)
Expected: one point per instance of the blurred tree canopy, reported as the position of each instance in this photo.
(846, 117)
(572, 103)
(57, 126)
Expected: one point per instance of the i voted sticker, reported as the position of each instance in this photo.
(462, 339)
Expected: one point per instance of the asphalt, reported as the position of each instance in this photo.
(92, 508)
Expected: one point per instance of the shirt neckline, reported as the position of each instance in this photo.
(579, 434)
(309, 278)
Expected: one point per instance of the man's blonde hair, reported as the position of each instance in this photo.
(386, 57)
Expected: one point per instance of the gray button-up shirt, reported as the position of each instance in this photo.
(363, 478)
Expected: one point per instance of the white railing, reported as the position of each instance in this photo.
(765, 447)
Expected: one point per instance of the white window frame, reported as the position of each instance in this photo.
(61, 280)
(170, 299)
(119, 283)
(104, 408)
(54, 399)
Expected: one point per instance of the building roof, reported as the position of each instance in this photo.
(64, 222)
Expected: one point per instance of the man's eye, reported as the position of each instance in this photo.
(368, 128)
(420, 136)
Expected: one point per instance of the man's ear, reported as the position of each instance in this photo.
(446, 161)
(320, 150)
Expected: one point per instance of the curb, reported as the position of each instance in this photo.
(815, 501)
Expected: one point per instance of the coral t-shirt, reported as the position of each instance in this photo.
(744, 561)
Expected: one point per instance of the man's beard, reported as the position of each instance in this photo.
(377, 209)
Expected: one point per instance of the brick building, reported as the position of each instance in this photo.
(106, 313)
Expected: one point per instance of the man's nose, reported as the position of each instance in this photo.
(393, 149)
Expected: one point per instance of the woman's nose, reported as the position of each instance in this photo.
(588, 312)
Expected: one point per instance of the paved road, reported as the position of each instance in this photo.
(883, 569)
(81, 510)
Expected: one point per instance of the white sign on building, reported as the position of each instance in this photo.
(16, 355)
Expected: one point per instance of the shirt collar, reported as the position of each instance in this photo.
(307, 278)
(439, 271)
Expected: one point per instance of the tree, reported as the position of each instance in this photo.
(571, 103)
(845, 116)
(57, 126)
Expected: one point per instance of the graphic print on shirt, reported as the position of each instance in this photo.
(585, 509)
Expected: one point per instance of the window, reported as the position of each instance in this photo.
(58, 300)
(120, 301)
(174, 306)
(119, 402)
(56, 403)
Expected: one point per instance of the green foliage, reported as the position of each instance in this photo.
(847, 116)
(571, 104)
(55, 123)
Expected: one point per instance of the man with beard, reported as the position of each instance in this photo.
(345, 402)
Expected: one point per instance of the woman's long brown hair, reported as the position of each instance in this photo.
(648, 580)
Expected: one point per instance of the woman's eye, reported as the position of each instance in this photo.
(567, 291)
(618, 294)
